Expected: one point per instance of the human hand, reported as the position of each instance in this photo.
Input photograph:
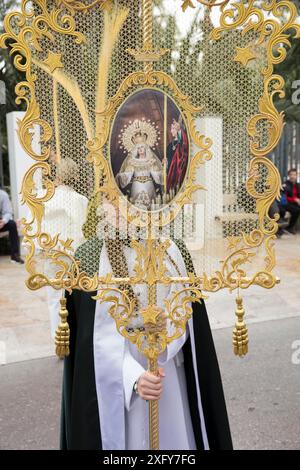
(160, 324)
(297, 201)
(149, 386)
(2, 223)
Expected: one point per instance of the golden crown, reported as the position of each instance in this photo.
(139, 131)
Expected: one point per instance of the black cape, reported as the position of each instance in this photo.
(80, 426)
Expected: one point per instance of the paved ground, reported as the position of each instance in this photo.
(262, 391)
(24, 323)
(30, 404)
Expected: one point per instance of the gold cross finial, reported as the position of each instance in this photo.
(148, 54)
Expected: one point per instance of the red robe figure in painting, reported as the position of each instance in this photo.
(177, 153)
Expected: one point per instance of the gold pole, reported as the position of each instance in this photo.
(56, 119)
(148, 31)
(153, 368)
(153, 412)
(165, 141)
(153, 404)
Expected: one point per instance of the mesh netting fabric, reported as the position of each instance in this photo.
(227, 92)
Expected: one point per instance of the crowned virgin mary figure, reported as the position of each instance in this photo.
(141, 174)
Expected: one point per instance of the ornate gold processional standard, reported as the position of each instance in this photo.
(161, 116)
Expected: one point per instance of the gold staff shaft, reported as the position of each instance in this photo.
(153, 412)
(148, 31)
(165, 141)
(153, 404)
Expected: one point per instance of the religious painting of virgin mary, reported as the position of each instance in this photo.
(149, 149)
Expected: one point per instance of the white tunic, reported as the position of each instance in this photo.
(118, 364)
(176, 432)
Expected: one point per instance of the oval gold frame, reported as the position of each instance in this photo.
(139, 81)
(161, 209)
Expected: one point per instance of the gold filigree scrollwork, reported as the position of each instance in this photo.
(151, 339)
(242, 249)
(208, 3)
(273, 32)
(159, 80)
(59, 253)
(75, 5)
(24, 32)
(266, 197)
(273, 22)
(150, 261)
(270, 115)
(33, 200)
(68, 275)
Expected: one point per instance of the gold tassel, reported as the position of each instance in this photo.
(240, 332)
(62, 335)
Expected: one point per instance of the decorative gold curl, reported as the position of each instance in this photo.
(32, 118)
(270, 115)
(68, 277)
(208, 3)
(32, 200)
(266, 198)
(150, 341)
(233, 274)
(75, 5)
